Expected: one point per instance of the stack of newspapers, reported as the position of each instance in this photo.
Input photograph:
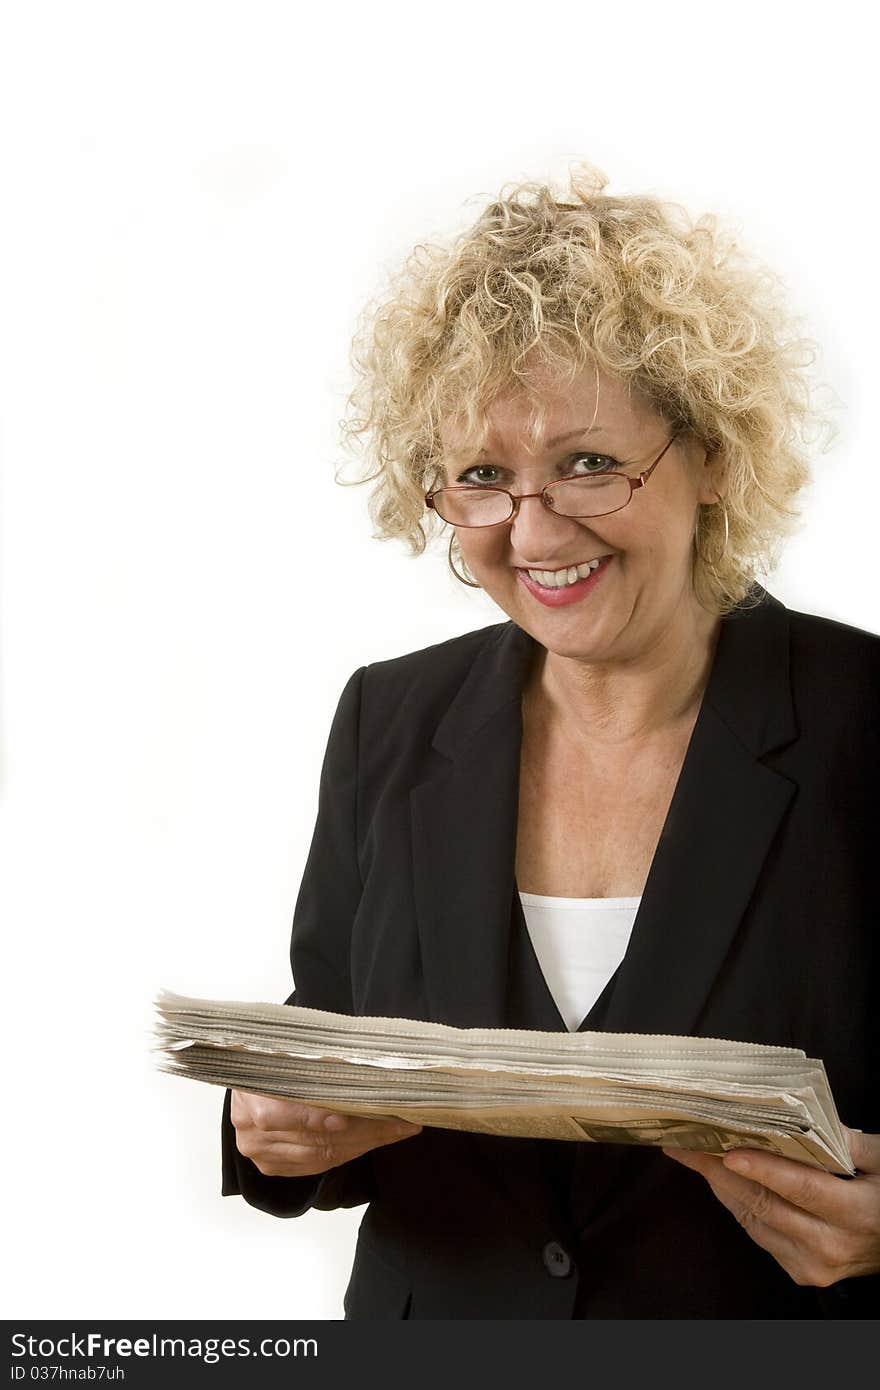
(618, 1088)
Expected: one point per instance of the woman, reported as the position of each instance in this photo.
(641, 804)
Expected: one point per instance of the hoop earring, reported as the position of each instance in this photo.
(460, 577)
(710, 564)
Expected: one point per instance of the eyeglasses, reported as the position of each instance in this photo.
(581, 495)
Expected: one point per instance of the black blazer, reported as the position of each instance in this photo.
(759, 921)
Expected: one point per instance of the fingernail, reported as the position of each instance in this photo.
(739, 1162)
(336, 1122)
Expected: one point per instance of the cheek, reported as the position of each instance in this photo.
(668, 534)
(480, 547)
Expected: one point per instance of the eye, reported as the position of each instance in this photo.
(600, 463)
(465, 477)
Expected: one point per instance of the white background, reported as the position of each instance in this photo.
(197, 199)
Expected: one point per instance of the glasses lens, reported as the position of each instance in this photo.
(472, 506)
(590, 496)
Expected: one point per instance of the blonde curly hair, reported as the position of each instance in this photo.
(631, 285)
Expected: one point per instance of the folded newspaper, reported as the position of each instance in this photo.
(619, 1088)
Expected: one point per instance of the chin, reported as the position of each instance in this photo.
(575, 649)
(574, 641)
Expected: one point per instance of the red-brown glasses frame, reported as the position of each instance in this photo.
(516, 499)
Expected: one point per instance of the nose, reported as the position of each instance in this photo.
(537, 532)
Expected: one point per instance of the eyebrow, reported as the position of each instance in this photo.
(560, 438)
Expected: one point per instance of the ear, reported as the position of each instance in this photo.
(712, 475)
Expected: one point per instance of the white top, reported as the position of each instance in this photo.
(579, 943)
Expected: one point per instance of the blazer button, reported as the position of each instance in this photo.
(557, 1261)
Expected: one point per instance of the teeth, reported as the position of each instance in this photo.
(560, 579)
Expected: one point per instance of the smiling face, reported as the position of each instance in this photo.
(642, 594)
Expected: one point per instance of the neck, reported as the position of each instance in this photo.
(624, 702)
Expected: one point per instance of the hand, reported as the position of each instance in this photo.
(289, 1139)
(820, 1228)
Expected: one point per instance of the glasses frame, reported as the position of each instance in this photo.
(515, 499)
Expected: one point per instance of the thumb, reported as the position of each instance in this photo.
(864, 1149)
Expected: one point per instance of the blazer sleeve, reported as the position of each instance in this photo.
(319, 955)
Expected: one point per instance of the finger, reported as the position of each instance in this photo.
(328, 1150)
(340, 1119)
(311, 1126)
(822, 1194)
(292, 1155)
(370, 1134)
(274, 1112)
(298, 1163)
(350, 1133)
(295, 1117)
(864, 1150)
(378, 1127)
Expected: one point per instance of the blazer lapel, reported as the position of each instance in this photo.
(723, 817)
(464, 838)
